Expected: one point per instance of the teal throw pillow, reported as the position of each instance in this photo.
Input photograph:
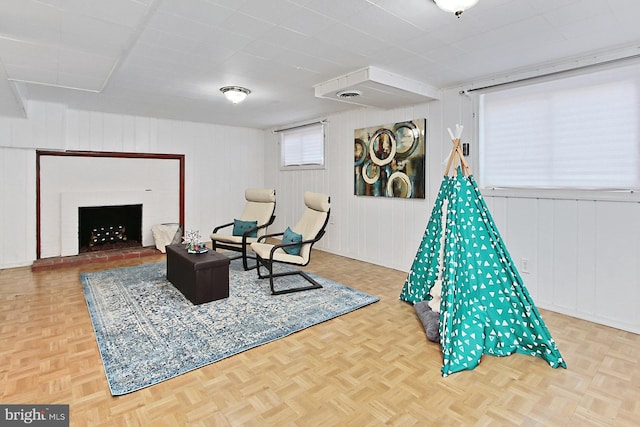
(291, 236)
(240, 227)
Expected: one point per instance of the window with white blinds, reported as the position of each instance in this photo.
(302, 147)
(579, 132)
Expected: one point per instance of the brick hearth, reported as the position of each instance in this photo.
(93, 257)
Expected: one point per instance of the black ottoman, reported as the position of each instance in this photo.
(200, 277)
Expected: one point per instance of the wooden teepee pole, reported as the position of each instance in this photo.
(456, 157)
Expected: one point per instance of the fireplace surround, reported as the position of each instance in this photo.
(69, 180)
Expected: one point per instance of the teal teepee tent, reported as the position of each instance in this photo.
(485, 307)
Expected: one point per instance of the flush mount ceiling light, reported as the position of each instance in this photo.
(455, 6)
(235, 94)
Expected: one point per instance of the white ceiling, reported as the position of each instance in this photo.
(168, 58)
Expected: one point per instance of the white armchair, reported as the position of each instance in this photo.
(296, 244)
(257, 215)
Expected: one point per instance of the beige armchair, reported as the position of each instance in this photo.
(257, 215)
(296, 243)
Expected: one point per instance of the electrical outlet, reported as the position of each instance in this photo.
(524, 263)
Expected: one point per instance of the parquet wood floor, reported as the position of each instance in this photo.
(367, 368)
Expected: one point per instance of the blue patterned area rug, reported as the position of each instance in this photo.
(148, 332)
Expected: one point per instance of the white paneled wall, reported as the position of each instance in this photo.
(17, 206)
(221, 161)
(583, 255)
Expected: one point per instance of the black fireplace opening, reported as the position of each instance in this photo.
(109, 227)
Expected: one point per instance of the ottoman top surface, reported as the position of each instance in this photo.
(206, 260)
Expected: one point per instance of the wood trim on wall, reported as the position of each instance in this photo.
(72, 153)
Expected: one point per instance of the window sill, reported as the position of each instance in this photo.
(630, 196)
(302, 168)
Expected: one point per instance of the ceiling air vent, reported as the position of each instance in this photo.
(374, 87)
(348, 94)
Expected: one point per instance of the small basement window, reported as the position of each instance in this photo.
(302, 147)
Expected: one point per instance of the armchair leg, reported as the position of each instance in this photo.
(260, 262)
(246, 266)
(243, 255)
(313, 284)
